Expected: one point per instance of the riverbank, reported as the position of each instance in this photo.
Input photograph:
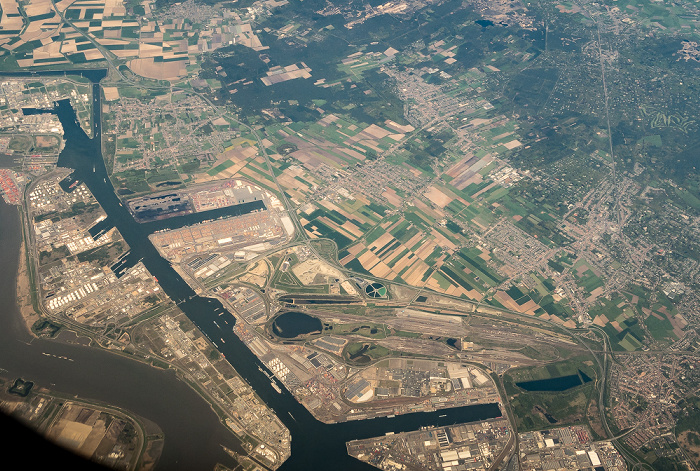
(169, 348)
(193, 433)
(24, 296)
(105, 434)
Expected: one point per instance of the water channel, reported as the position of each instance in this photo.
(193, 433)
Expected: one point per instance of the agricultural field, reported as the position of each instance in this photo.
(484, 180)
(333, 141)
(159, 139)
(639, 317)
(163, 48)
(420, 184)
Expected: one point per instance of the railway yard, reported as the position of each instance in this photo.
(332, 391)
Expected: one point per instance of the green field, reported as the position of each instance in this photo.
(563, 407)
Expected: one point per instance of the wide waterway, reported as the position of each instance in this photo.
(96, 374)
(192, 431)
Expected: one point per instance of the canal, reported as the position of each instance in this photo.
(192, 431)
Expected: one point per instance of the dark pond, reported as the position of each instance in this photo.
(561, 383)
(359, 357)
(484, 23)
(547, 415)
(375, 290)
(357, 329)
(293, 324)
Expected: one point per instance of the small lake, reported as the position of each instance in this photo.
(293, 324)
(561, 383)
(359, 357)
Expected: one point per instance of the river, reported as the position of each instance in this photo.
(105, 376)
(192, 431)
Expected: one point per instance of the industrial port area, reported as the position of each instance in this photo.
(31, 140)
(567, 448)
(261, 228)
(173, 338)
(11, 186)
(341, 366)
(410, 235)
(76, 252)
(199, 198)
(481, 446)
(460, 447)
(456, 384)
(86, 281)
(335, 392)
(255, 228)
